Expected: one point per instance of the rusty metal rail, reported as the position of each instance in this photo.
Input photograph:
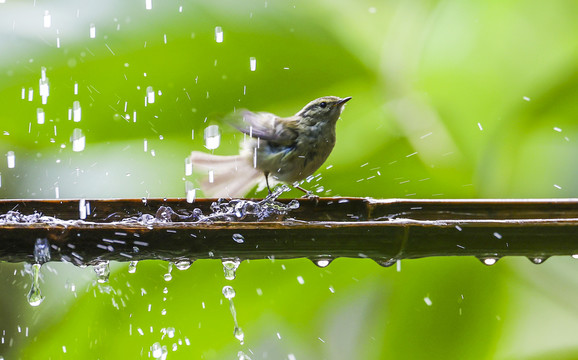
(322, 230)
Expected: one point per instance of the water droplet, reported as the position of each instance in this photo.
(11, 158)
(253, 63)
(102, 271)
(488, 260)
(538, 259)
(183, 264)
(293, 204)
(230, 268)
(239, 334)
(171, 332)
(228, 292)
(168, 276)
(188, 166)
(132, 267)
(322, 262)
(238, 238)
(35, 297)
(427, 301)
(190, 191)
(575, 256)
(150, 95)
(385, 262)
(47, 19)
(242, 356)
(218, 34)
(41, 251)
(300, 280)
(92, 31)
(148, 4)
(76, 111)
(78, 140)
(212, 137)
(40, 116)
(158, 351)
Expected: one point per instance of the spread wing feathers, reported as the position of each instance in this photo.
(232, 176)
(269, 127)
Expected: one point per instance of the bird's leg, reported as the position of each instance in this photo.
(267, 182)
(308, 194)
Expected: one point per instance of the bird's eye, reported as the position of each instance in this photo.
(323, 104)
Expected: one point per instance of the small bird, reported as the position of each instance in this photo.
(286, 149)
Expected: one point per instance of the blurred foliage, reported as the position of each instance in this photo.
(451, 99)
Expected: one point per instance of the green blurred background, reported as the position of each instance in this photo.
(451, 99)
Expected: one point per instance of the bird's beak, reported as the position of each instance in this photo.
(344, 100)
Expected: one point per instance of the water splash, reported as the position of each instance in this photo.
(35, 297)
(229, 293)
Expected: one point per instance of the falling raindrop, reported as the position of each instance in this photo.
(238, 238)
(150, 95)
(78, 140)
(188, 166)
(76, 111)
(11, 158)
(190, 191)
(92, 31)
(253, 63)
(40, 116)
(148, 4)
(212, 137)
(47, 19)
(218, 34)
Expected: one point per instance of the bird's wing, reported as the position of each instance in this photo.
(267, 126)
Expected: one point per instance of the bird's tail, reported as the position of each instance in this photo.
(225, 176)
